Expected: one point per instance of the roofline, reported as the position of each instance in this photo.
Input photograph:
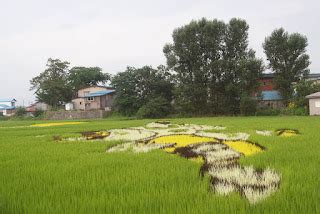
(8, 100)
(100, 86)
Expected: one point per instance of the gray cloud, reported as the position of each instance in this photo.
(114, 34)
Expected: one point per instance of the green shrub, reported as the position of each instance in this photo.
(248, 106)
(38, 113)
(268, 112)
(299, 111)
(20, 111)
(155, 108)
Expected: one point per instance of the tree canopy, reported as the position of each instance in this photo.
(287, 58)
(57, 84)
(51, 86)
(136, 87)
(80, 77)
(214, 66)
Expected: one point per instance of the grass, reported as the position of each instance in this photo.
(38, 175)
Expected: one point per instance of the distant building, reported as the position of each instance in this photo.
(267, 95)
(314, 77)
(314, 103)
(95, 97)
(7, 106)
(38, 106)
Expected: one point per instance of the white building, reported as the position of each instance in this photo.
(314, 103)
(7, 106)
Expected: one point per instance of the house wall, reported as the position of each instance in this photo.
(101, 102)
(109, 100)
(8, 103)
(9, 112)
(266, 84)
(79, 103)
(85, 104)
(42, 106)
(314, 106)
(273, 104)
(92, 104)
(81, 92)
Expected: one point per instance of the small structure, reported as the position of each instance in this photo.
(69, 106)
(270, 99)
(314, 103)
(314, 77)
(31, 109)
(94, 98)
(37, 106)
(7, 106)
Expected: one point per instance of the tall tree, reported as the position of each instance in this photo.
(213, 64)
(193, 55)
(51, 86)
(286, 54)
(240, 69)
(135, 87)
(80, 77)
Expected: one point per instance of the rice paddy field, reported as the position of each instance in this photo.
(215, 165)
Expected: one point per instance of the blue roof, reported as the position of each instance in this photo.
(100, 93)
(8, 100)
(271, 95)
(5, 107)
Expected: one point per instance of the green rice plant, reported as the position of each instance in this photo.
(38, 175)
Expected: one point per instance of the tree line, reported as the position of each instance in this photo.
(210, 70)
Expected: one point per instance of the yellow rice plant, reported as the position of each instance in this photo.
(56, 124)
(243, 147)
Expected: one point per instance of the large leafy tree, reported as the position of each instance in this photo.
(213, 65)
(302, 89)
(80, 77)
(135, 87)
(240, 68)
(51, 86)
(193, 56)
(286, 54)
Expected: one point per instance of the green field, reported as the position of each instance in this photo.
(38, 175)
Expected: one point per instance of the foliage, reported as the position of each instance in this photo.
(302, 89)
(268, 112)
(80, 77)
(57, 84)
(42, 176)
(51, 86)
(248, 105)
(20, 111)
(213, 66)
(295, 110)
(287, 58)
(156, 108)
(38, 113)
(135, 87)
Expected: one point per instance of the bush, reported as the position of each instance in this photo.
(299, 111)
(155, 108)
(20, 111)
(38, 113)
(268, 112)
(248, 106)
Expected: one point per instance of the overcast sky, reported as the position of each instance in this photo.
(115, 34)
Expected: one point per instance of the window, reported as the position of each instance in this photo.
(317, 104)
(90, 98)
(264, 83)
(85, 93)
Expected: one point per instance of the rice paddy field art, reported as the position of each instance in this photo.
(198, 165)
